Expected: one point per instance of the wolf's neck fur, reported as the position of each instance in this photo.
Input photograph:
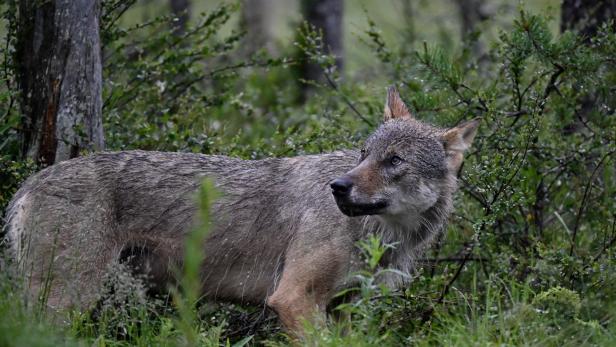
(410, 235)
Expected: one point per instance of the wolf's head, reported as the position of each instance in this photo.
(405, 166)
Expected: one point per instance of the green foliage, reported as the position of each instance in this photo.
(560, 303)
(509, 313)
(371, 310)
(186, 299)
(152, 98)
(9, 103)
(12, 173)
(529, 256)
(19, 327)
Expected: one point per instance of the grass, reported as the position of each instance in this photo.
(501, 314)
(494, 312)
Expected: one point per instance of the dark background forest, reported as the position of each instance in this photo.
(529, 257)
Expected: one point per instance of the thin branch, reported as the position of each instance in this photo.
(466, 257)
(346, 100)
(587, 190)
(609, 244)
(435, 261)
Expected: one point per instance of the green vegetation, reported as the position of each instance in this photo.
(529, 257)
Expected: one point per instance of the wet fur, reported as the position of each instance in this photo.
(278, 237)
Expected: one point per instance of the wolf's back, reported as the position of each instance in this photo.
(75, 218)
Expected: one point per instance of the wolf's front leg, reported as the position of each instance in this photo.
(307, 284)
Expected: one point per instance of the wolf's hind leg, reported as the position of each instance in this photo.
(66, 277)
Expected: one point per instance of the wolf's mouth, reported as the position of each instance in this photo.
(358, 209)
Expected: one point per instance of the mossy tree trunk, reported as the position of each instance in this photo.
(60, 77)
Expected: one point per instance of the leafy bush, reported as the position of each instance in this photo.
(560, 303)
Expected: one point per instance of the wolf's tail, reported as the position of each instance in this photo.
(17, 214)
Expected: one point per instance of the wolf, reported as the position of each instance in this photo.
(284, 231)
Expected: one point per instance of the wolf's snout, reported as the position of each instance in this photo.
(341, 186)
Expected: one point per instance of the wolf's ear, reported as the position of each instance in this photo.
(394, 106)
(457, 140)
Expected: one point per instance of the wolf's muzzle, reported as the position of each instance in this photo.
(341, 189)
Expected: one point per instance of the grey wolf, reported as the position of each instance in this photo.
(285, 229)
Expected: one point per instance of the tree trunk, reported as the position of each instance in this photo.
(326, 16)
(471, 13)
(181, 11)
(256, 21)
(60, 78)
(408, 12)
(586, 16)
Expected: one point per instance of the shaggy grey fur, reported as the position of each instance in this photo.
(70, 221)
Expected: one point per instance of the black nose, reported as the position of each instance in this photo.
(341, 186)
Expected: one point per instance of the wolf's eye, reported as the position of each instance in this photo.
(363, 152)
(396, 160)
